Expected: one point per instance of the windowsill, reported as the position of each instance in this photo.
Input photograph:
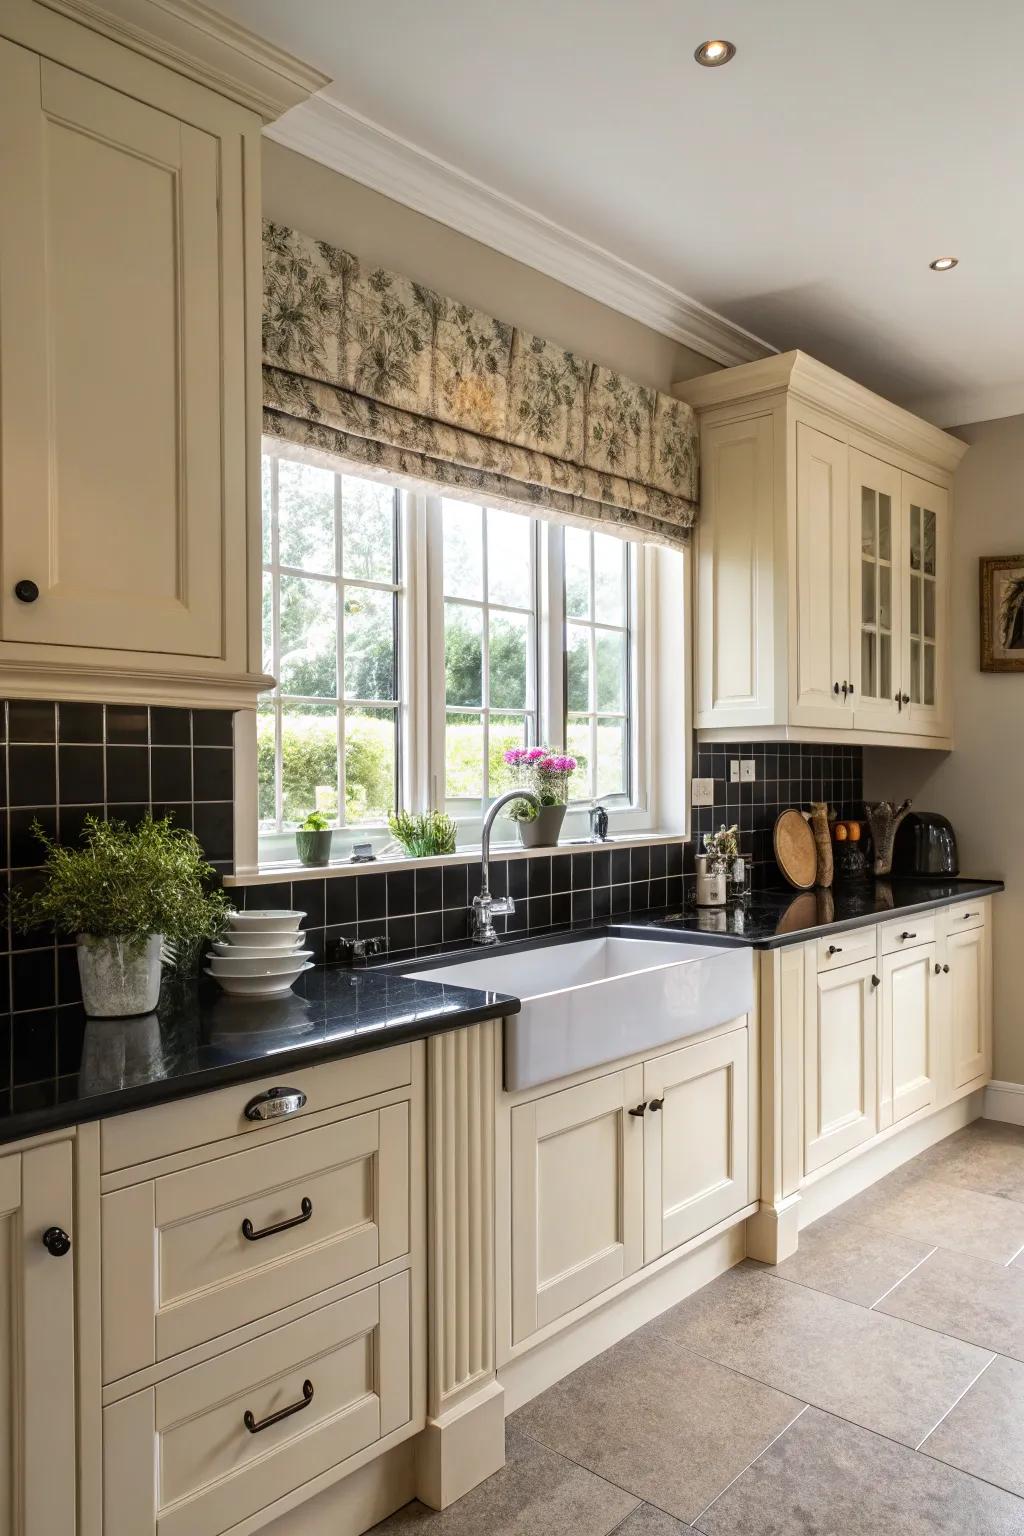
(270, 874)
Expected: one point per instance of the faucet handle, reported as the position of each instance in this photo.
(500, 905)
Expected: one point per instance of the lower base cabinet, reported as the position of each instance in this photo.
(840, 1061)
(970, 1004)
(609, 1174)
(910, 1067)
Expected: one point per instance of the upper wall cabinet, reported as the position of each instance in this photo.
(129, 370)
(822, 558)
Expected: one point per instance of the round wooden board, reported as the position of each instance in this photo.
(795, 852)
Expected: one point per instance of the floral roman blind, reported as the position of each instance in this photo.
(371, 366)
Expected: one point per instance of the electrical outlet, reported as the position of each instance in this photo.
(734, 770)
(748, 771)
(702, 792)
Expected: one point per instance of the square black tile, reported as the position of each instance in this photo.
(80, 722)
(620, 866)
(429, 929)
(127, 777)
(581, 906)
(372, 896)
(180, 812)
(620, 899)
(128, 724)
(539, 877)
(639, 895)
(454, 925)
(538, 912)
(582, 871)
(214, 825)
(26, 851)
(33, 980)
(171, 727)
(453, 887)
(656, 892)
(69, 984)
(33, 1046)
(602, 867)
(517, 878)
(561, 909)
(261, 898)
(5, 1051)
(213, 728)
(80, 775)
(31, 720)
(602, 901)
(401, 890)
(401, 933)
(639, 863)
(309, 896)
(561, 872)
(341, 899)
(657, 855)
(33, 775)
(70, 1037)
(171, 768)
(429, 883)
(515, 922)
(213, 773)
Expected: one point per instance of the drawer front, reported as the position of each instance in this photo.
(209, 1117)
(969, 914)
(228, 1242)
(208, 1448)
(849, 948)
(908, 932)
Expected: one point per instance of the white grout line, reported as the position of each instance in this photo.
(749, 1464)
(1013, 1256)
(899, 1282)
(960, 1398)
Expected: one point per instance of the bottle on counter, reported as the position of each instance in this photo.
(711, 883)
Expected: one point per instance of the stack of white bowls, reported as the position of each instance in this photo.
(261, 955)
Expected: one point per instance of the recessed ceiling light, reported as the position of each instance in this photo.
(943, 263)
(714, 52)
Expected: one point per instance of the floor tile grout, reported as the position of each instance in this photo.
(899, 1282)
(746, 1469)
(959, 1399)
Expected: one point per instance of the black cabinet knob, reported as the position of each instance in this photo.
(56, 1242)
(835, 949)
(656, 1103)
(945, 970)
(26, 591)
(835, 687)
(905, 698)
(876, 981)
(640, 1109)
(938, 969)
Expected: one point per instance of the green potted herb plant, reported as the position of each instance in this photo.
(131, 896)
(423, 837)
(313, 840)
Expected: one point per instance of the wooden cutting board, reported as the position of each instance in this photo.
(795, 852)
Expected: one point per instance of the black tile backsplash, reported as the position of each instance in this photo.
(785, 776)
(57, 763)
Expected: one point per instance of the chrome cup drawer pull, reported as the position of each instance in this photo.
(254, 1425)
(275, 1104)
(305, 1212)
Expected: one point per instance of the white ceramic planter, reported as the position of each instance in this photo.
(119, 979)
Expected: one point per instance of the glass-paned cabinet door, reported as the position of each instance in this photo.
(924, 517)
(875, 599)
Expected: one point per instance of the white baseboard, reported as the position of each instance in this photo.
(1005, 1101)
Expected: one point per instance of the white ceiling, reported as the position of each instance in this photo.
(800, 191)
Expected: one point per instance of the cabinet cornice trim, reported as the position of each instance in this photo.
(204, 45)
(815, 384)
(130, 685)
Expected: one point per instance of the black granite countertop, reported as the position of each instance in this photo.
(200, 1038)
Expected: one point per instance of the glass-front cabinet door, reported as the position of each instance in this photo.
(876, 593)
(924, 517)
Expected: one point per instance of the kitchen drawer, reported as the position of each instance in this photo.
(969, 914)
(214, 1116)
(180, 1459)
(907, 932)
(319, 1208)
(848, 948)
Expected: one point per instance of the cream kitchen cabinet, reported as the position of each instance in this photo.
(840, 1048)
(38, 1399)
(822, 560)
(129, 370)
(911, 1033)
(969, 1003)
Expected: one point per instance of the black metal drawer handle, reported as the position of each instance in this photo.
(835, 949)
(640, 1110)
(254, 1425)
(966, 916)
(305, 1212)
(906, 935)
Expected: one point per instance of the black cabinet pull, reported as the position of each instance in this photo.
(905, 698)
(968, 915)
(835, 687)
(657, 1103)
(945, 970)
(640, 1110)
(835, 949)
(851, 688)
(305, 1212)
(56, 1242)
(938, 969)
(26, 591)
(904, 935)
(898, 699)
(275, 1104)
(876, 981)
(254, 1425)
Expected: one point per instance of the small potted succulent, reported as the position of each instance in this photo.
(547, 774)
(313, 840)
(423, 837)
(133, 897)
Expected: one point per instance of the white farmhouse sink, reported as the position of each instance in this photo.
(587, 1001)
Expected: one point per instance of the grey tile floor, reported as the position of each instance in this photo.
(872, 1385)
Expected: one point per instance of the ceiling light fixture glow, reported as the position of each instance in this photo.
(943, 263)
(714, 52)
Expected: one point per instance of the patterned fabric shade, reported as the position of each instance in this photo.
(363, 363)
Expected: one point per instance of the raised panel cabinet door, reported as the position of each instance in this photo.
(695, 1140)
(38, 1489)
(876, 593)
(840, 1063)
(910, 1034)
(820, 602)
(735, 565)
(113, 366)
(577, 1197)
(969, 983)
(925, 556)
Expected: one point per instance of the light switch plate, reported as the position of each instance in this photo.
(734, 770)
(702, 792)
(748, 771)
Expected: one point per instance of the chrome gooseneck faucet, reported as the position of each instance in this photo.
(485, 908)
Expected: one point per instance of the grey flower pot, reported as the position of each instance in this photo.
(118, 979)
(544, 830)
(314, 847)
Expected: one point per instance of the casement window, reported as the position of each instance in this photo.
(414, 638)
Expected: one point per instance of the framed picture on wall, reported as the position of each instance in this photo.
(1002, 614)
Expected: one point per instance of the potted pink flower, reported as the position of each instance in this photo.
(547, 774)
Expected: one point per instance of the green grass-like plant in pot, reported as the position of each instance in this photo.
(130, 896)
(423, 837)
(313, 840)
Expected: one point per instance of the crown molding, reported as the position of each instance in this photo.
(326, 131)
(200, 43)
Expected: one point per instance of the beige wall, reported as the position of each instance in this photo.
(980, 785)
(310, 197)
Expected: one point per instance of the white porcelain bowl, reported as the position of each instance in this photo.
(256, 987)
(271, 917)
(289, 946)
(277, 965)
(242, 938)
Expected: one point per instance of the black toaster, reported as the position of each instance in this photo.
(925, 845)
